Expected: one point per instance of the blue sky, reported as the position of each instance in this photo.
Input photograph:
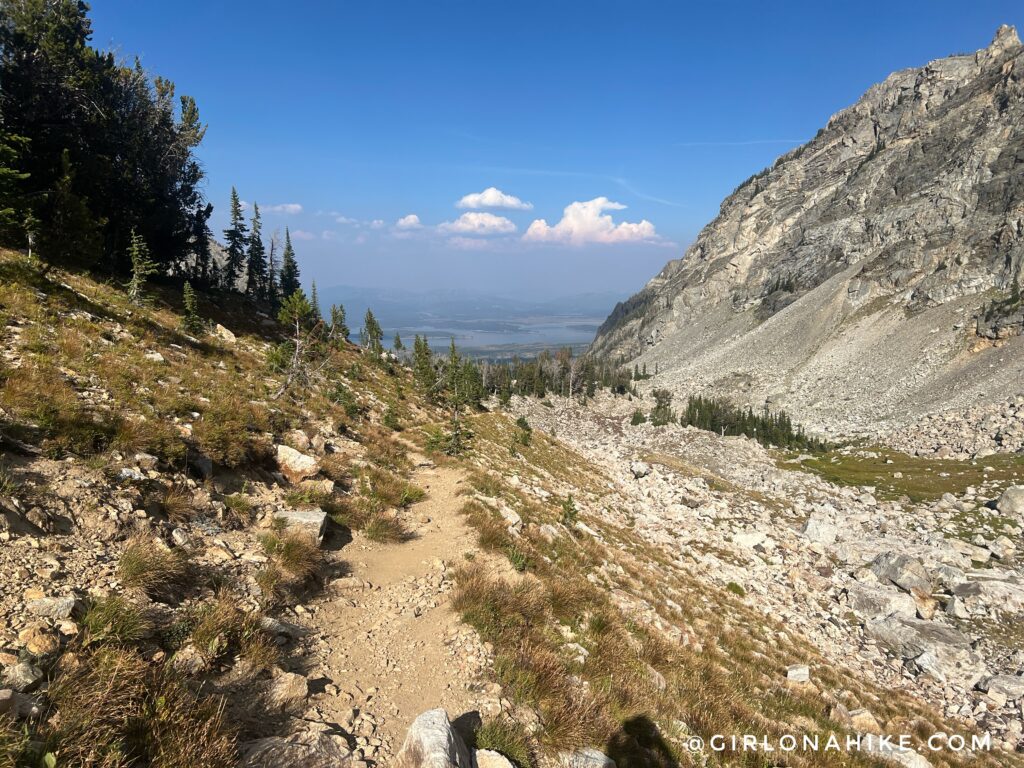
(649, 113)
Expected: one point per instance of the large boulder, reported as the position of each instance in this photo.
(313, 520)
(874, 601)
(943, 652)
(1011, 503)
(432, 743)
(488, 758)
(904, 571)
(294, 465)
(586, 758)
(314, 748)
(820, 530)
(640, 469)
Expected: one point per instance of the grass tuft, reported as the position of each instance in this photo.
(148, 565)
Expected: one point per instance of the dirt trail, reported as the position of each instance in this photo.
(394, 648)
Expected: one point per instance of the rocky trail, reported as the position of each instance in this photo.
(388, 640)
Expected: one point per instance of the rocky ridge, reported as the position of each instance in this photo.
(846, 282)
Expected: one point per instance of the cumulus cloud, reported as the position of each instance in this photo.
(301, 234)
(284, 208)
(412, 221)
(492, 197)
(586, 222)
(478, 223)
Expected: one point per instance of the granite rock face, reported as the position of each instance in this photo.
(856, 268)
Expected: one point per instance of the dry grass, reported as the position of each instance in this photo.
(115, 709)
(384, 451)
(115, 619)
(148, 565)
(295, 552)
(231, 431)
(223, 628)
(176, 503)
(508, 738)
(389, 489)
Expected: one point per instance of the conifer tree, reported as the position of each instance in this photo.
(423, 365)
(273, 288)
(398, 345)
(373, 334)
(314, 303)
(339, 325)
(142, 267)
(71, 232)
(256, 260)
(289, 268)
(191, 322)
(235, 236)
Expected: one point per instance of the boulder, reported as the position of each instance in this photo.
(23, 676)
(39, 639)
(640, 469)
(891, 752)
(488, 758)
(904, 571)
(313, 520)
(313, 748)
(55, 607)
(1010, 686)
(798, 673)
(873, 601)
(223, 334)
(294, 465)
(1011, 503)
(820, 530)
(863, 721)
(431, 742)
(586, 758)
(937, 649)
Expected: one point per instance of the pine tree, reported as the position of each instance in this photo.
(423, 365)
(256, 264)
(69, 231)
(339, 326)
(273, 289)
(191, 322)
(142, 267)
(314, 303)
(398, 345)
(373, 334)
(289, 268)
(236, 237)
(11, 198)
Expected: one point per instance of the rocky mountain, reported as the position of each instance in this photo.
(873, 267)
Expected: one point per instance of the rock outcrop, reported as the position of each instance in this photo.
(860, 268)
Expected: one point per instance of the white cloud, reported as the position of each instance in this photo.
(345, 219)
(328, 234)
(412, 221)
(478, 223)
(301, 234)
(585, 222)
(470, 244)
(284, 208)
(492, 197)
(377, 224)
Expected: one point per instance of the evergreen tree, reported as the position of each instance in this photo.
(273, 289)
(339, 325)
(71, 233)
(12, 200)
(398, 345)
(314, 303)
(423, 365)
(289, 268)
(142, 267)
(191, 322)
(373, 334)
(256, 264)
(235, 237)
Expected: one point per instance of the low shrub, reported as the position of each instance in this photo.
(149, 565)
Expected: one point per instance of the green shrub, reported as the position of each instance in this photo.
(638, 418)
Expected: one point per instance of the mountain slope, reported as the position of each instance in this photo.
(872, 245)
